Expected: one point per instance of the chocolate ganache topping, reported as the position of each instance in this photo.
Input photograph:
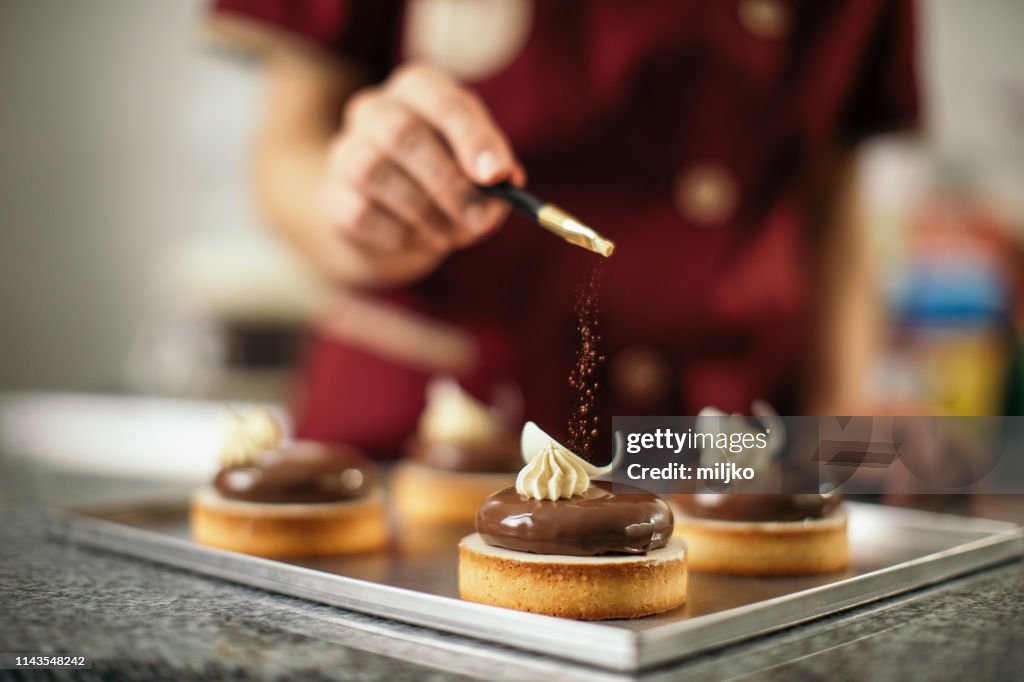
(599, 521)
(758, 506)
(302, 472)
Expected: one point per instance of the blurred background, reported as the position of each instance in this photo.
(133, 262)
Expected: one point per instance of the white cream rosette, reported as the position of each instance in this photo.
(553, 471)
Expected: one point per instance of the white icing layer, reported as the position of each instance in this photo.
(210, 497)
(673, 551)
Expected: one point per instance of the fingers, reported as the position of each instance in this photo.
(365, 168)
(364, 222)
(414, 146)
(409, 141)
(482, 151)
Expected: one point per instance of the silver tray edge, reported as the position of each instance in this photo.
(679, 640)
(594, 644)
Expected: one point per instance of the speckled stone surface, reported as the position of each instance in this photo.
(143, 621)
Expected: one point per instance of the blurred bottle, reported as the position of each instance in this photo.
(952, 313)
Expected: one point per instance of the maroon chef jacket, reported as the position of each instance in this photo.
(685, 131)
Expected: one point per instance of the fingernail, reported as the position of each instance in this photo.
(486, 165)
(476, 217)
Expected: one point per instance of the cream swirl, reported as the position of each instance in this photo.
(552, 471)
(249, 434)
(720, 425)
(454, 417)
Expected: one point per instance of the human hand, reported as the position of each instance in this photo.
(400, 175)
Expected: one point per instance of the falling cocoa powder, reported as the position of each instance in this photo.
(584, 421)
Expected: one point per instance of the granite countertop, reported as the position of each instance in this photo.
(144, 621)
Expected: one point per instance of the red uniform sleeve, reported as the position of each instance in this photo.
(364, 31)
(885, 96)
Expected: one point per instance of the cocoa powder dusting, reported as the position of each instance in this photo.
(583, 418)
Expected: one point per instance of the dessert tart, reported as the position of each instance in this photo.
(462, 451)
(297, 499)
(560, 544)
(763, 534)
(749, 530)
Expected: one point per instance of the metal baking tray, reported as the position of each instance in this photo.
(415, 581)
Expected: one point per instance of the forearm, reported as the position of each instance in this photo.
(301, 91)
(287, 177)
(305, 98)
(846, 304)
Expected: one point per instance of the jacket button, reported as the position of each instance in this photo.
(706, 194)
(640, 377)
(768, 19)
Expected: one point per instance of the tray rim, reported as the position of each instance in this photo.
(600, 644)
(594, 643)
(1003, 541)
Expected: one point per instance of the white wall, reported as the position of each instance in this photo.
(973, 53)
(122, 136)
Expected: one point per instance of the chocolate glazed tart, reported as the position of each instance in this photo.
(763, 534)
(605, 554)
(303, 499)
(442, 483)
